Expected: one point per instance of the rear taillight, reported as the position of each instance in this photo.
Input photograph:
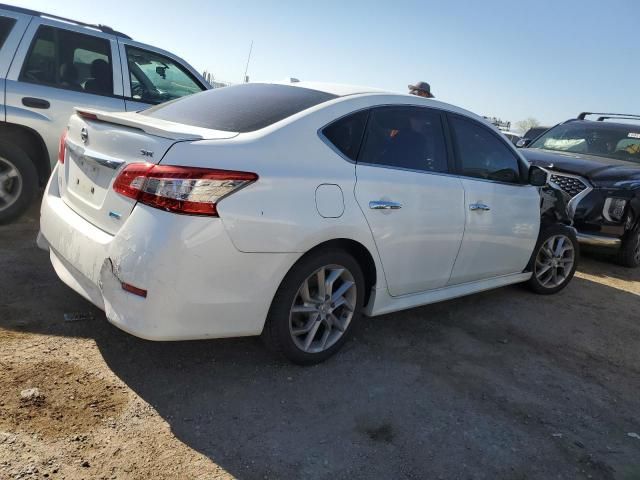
(186, 190)
(62, 146)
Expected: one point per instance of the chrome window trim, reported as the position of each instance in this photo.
(104, 161)
(404, 169)
(327, 142)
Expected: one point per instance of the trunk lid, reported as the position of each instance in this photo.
(99, 144)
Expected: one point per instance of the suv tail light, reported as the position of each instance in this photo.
(186, 190)
(62, 146)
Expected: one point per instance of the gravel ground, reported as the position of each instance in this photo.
(504, 384)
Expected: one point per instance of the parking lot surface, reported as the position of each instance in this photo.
(505, 384)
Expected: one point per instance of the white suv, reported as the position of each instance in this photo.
(48, 65)
(287, 210)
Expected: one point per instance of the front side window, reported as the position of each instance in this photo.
(405, 137)
(481, 153)
(156, 78)
(65, 59)
(611, 140)
(6, 24)
(346, 133)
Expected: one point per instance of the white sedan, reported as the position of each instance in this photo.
(288, 210)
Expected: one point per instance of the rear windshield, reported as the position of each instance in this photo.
(239, 108)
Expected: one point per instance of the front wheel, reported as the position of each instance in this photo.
(554, 260)
(629, 254)
(315, 307)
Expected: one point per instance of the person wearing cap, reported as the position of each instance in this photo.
(421, 89)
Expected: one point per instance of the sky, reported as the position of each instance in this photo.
(547, 59)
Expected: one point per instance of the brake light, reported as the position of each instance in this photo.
(62, 146)
(186, 190)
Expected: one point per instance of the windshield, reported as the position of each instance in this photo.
(156, 78)
(611, 140)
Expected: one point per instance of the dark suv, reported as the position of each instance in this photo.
(596, 162)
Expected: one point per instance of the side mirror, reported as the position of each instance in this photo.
(537, 176)
(523, 142)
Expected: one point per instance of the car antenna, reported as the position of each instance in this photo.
(246, 69)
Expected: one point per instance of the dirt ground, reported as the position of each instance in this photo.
(504, 384)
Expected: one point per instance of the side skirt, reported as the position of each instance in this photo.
(381, 302)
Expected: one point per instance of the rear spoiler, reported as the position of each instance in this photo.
(153, 126)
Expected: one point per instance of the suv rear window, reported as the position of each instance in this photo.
(239, 108)
(65, 59)
(6, 24)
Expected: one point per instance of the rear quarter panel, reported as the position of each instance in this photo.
(278, 213)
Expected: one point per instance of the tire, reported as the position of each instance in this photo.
(552, 273)
(320, 324)
(18, 182)
(629, 254)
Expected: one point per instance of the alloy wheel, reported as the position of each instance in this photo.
(554, 261)
(10, 184)
(322, 308)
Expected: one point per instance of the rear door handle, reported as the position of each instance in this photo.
(479, 206)
(35, 102)
(384, 205)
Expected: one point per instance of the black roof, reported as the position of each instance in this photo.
(35, 13)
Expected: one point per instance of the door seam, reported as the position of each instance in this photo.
(464, 230)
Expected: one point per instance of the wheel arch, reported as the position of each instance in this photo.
(361, 254)
(32, 143)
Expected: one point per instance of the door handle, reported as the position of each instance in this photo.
(35, 102)
(479, 206)
(384, 205)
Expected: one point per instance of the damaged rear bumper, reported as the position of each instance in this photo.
(199, 285)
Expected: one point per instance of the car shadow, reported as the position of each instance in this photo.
(478, 384)
(419, 391)
(604, 266)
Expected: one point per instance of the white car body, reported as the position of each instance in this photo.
(207, 277)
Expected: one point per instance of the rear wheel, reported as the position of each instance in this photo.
(315, 307)
(554, 260)
(629, 254)
(18, 182)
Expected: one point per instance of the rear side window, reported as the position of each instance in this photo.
(239, 108)
(405, 137)
(156, 78)
(346, 133)
(482, 154)
(70, 60)
(6, 24)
